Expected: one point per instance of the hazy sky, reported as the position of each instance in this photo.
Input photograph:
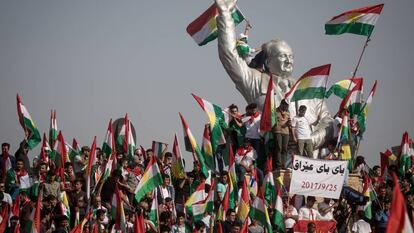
(96, 60)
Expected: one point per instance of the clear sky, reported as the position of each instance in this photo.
(96, 60)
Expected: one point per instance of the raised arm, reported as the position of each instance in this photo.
(234, 65)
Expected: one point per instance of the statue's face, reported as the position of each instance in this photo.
(280, 61)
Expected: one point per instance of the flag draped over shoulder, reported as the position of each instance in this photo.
(398, 221)
(32, 133)
(341, 88)
(204, 28)
(192, 146)
(217, 121)
(312, 85)
(150, 180)
(358, 21)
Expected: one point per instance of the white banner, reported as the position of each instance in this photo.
(319, 178)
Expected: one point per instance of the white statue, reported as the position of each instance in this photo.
(278, 62)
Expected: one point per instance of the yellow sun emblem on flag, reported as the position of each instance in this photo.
(353, 17)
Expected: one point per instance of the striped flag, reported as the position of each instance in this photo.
(91, 162)
(269, 187)
(197, 196)
(358, 21)
(341, 88)
(125, 137)
(109, 144)
(118, 213)
(216, 119)
(344, 138)
(312, 85)
(192, 146)
(278, 219)
(363, 116)
(225, 205)
(35, 216)
(158, 148)
(74, 149)
(109, 167)
(268, 120)
(206, 206)
(259, 212)
(233, 191)
(386, 158)
(177, 169)
(153, 215)
(204, 28)
(62, 150)
(64, 204)
(45, 150)
(139, 224)
(353, 101)
(398, 220)
(79, 227)
(150, 180)
(53, 131)
(368, 192)
(207, 149)
(244, 203)
(405, 155)
(32, 133)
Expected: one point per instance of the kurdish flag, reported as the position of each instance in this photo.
(269, 187)
(358, 21)
(344, 138)
(197, 196)
(158, 148)
(150, 180)
(368, 192)
(217, 121)
(312, 85)
(278, 220)
(32, 133)
(62, 150)
(206, 206)
(34, 221)
(233, 192)
(153, 214)
(341, 88)
(64, 204)
(118, 213)
(53, 131)
(363, 115)
(191, 145)
(44, 151)
(108, 146)
(353, 100)
(398, 221)
(177, 169)
(268, 120)
(206, 148)
(204, 28)
(125, 138)
(91, 162)
(244, 204)
(109, 167)
(405, 155)
(259, 212)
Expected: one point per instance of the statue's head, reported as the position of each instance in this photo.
(278, 58)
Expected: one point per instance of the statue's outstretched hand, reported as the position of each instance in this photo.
(225, 5)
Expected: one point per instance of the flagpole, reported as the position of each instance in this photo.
(247, 21)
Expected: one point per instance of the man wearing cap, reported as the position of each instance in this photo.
(242, 46)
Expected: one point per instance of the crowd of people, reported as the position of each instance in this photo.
(64, 202)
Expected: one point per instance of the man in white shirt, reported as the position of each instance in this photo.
(361, 226)
(307, 212)
(302, 131)
(251, 121)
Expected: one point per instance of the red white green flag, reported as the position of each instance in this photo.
(353, 101)
(259, 212)
(368, 192)
(244, 203)
(278, 220)
(45, 150)
(150, 180)
(62, 150)
(216, 119)
(91, 162)
(192, 146)
(109, 167)
(32, 134)
(268, 120)
(312, 85)
(177, 169)
(269, 187)
(405, 155)
(53, 131)
(34, 221)
(153, 215)
(204, 28)
(359, 21)
(206, 206)
(233, 191)
(363, 115)
(109, 144)
(159, 148)
(341, 88)
(207, 149)
(398, 220)
(118, 213)
(197, 196)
